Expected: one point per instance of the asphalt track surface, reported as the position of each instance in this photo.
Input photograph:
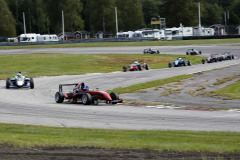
(37, 106)
(206, 49)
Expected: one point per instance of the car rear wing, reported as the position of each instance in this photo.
(61, 86)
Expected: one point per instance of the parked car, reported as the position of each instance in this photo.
(136, 66)
(193, 52)
(84, 95)
(151, 51)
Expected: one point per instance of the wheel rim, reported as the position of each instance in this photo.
(84, 99)
(57, 97)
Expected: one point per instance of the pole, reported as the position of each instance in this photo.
(104, 30)
(17, 11)
(225, 18)
(159, 18)
(199, 15)
(63, 24)
(24, 24)
(116, 20)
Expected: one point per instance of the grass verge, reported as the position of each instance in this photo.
(35, 136)
(137, 87)
(232, 91)
(73, 64)
(224, 80)
(120, 44)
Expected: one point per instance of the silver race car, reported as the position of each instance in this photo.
(19, 81)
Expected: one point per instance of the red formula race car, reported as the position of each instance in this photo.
(82, 94)
(136, 66)
(193, 52)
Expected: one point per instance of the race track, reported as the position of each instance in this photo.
(37, 106)
(206, 49)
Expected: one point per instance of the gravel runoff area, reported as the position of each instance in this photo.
(54, 153)
(191, 92)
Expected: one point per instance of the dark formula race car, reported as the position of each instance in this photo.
(216, 57)
(193, 52)
(136, 66)
(226, 56)
(19, 81)
(179, 62)
(83, 95)
(212, 58)
(150, 51)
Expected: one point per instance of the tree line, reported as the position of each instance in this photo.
(45, 16)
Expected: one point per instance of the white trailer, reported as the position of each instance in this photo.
(203, 31)
(128, 34)
(208, 32)
(187, 31)
(178, 32)
(33, 37)
(155, 34)
(171, 32)
(50, 37)
(30, 37)
(137, 34)
(238, 29)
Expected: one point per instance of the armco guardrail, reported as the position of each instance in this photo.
(79, 41)
(115, 40)
(211, 37)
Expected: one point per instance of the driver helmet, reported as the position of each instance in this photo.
(19, 74)
(87, 88)
(136, 61)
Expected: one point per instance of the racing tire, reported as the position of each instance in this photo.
(31, 83)
(59, 97)
(189, 63)
(147, 67)
(170, 65)
(86, 99)
(232, 56)
(158, 52)
(139, 67)
(114, 96)
(186, 53)
(200, 52)
(124, 69)
(95, 101)
(203, 61)
(8, 83)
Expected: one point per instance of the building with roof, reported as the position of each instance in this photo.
(219, 29)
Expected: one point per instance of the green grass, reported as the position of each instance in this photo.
(231, 91)
(224, 80)
(35, 136)
(157, 83)
(119, 44)
(74, 64)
